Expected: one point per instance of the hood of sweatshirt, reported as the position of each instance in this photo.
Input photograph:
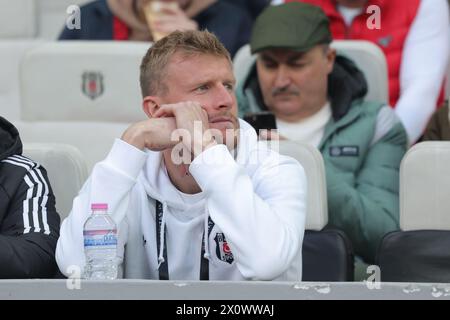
(346, 84)
(10, 143)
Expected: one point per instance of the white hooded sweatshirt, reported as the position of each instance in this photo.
(256, 201)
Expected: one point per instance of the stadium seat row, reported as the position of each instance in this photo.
(415, 253)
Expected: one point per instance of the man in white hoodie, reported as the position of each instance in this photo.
(231, 209)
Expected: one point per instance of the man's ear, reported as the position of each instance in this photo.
(150, 105)
(331, 57)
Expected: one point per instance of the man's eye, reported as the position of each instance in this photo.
(202, 88)
(229, 86)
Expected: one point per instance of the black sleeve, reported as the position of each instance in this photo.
(30, 228)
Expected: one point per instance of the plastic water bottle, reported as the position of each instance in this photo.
(100, 244)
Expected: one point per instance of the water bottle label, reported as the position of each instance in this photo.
(103, 238)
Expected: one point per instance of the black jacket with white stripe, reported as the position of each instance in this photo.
(29, 223)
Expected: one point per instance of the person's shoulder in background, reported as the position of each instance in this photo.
(438, 127)
(96, 23)
(253, 7)
(230, 23)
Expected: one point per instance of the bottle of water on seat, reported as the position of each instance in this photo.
(100, 244)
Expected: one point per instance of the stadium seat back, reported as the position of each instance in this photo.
(371, 61)
(415, 256)
(425, 187)
(419, 251)
(82, 81)
(11, 53)
(10, 24)
(327, 254)
(66, 171)
(312, 162)
(93, 139)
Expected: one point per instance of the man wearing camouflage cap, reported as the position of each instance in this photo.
(317, 98)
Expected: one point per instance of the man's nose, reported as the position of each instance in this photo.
(282, 77)
(223, 97)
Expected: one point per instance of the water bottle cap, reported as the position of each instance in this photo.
(99, 206)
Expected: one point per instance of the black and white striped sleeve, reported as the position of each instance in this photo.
(30, 228)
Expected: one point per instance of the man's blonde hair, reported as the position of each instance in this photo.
(154, 63)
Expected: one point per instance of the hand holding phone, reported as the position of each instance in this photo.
(261, 120)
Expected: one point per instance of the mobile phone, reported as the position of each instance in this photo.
(261, 120)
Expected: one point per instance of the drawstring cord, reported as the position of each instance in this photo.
(162, 237)
(206, 255)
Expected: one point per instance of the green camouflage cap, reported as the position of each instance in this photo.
(294, 25)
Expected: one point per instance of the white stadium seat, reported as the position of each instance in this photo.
(326, 253)
(418, 252)
(311, 160)
(371, 60)
(81, 93)
(425, 186)
(93, 139)
(11, 53)
(82, 81)
(66, 171)
(367, 56)
(17, 19)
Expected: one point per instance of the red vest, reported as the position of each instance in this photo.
(120, 30)
(396, 19)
